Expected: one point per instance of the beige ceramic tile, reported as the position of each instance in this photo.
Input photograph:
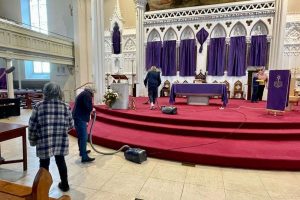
(197, 192)
(245, 182)
(158, 189)
(169, 172)
(234, 195)
(209, 177)
(125, 184)
(88, 180)
(100, 195)
(278, 188)
(144, 169)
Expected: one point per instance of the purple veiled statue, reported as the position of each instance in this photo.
(116, 39)
(2, 79)
(201, 37)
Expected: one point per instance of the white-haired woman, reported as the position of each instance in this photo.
(152, 80)
(49, 124)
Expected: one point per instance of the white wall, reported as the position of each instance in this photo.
(60, 20)
(11, 9)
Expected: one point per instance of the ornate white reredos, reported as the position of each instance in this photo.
(221, 20)
(292, 36)
(141, 4)
(116, 18)
(228, 10)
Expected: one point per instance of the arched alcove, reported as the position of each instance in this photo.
(238, 30)
(259, 28)
(187, 33)
(154, 36)
(218, 31)
(170, 35)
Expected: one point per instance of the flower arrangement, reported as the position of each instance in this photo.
(110, 97)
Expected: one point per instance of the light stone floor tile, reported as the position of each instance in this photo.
(100, 195)
(124, 184)
(144, 169)
(169, 172)
(112, 177)
(209, 177)
(158, 189)
(234, 195)
(247, 182)
(197, 192)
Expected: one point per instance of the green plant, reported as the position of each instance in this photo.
(110, 97)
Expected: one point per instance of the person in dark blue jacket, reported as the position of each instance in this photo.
(255, 84)
(152, 80)
(81, 115)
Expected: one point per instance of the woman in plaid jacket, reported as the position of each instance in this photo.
(49, 124)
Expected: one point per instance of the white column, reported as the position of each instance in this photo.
(82, 42)
(140, 49)
(10, 80)
(278, 34)
(98, 48)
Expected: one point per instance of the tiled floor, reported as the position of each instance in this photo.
(112, 177)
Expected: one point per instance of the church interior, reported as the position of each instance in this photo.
(224, 124)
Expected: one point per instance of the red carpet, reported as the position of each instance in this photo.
(241, 135)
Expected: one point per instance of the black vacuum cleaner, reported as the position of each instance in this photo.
(136, 155)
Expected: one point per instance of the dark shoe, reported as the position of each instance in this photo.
(87, 152)
(64, 188)
(86, 160)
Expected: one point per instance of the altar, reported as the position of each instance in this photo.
(198, 94)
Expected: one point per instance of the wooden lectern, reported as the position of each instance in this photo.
(119, 77)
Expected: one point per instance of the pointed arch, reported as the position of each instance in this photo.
(154, 36)
(187, 33)
(218, 31)
(170, 35)
(238, 30)
(259, 28)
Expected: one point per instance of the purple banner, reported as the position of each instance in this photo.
(2, 79)
(278, 90)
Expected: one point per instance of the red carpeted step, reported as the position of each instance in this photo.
(234, 133)
(263, 154)
(212, 116)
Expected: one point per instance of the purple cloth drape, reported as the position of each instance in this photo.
(201, 37)
(153, 54)
(187, 57)
(116, 40)
(237, 56)
(168, 60)
(216, 57)
(258, 52)
(3, 79)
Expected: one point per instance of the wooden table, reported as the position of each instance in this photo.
(10, 131)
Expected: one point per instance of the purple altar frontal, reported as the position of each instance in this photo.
(201, 90)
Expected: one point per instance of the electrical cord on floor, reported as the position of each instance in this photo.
(91, 140)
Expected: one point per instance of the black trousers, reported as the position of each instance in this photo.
(152, 93)
(61, 165)
(260, 91)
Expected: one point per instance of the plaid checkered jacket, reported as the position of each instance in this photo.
(48, 129)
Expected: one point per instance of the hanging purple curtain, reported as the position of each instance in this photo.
(216, 57)
(168, 60)
(153, 54)
(237, 56)
(116, 39)
(258, 52)
(201, 37)
(2, 79)
(187, 57)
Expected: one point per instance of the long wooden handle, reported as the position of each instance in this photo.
(83, 85)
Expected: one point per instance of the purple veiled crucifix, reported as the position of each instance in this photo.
(201, 37)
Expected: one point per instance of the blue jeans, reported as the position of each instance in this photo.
(81, 130)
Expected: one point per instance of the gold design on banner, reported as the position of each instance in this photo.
(278, 82)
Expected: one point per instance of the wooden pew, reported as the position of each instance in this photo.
(38, 191)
